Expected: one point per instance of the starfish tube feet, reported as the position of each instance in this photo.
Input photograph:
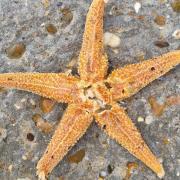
(73, 125)
(118, 125)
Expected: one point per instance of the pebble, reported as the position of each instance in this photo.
(3, 134)
(51, 29)
(116, 51)
(24, 157)
(103, 174)
(16, 51)
(111, 40)
(140, 119)
(160, 20)
(149, 119)
(77, 156)
(176, 6)
(176, 34)
(137, 7)
(161, 44)
(106, 1)
(47, 105)
(33, 103)
(18, 105)
(10, 167)
(160, 160)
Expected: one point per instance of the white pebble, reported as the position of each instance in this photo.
(23, 100)
(115, 51)
(103, 174)
(106, 1)
(111, 40)
(10, 168)
(140, 119)
(33, 103)
(148, 119)
(160, 160)
(18, 105)
(178, 85)
(24, 157)
(176, 34)
(137, 6)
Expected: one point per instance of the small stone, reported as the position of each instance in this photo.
(166, 141)
(110, 169)
(24, 157)
(77, 156)
(3, 134)
(176, 6)
(176, 34)
(137, 6)
(46, 3)
(100, 178)
(140, 119)
(131, 166)
(30, 137)
(51, 29)
(116, 51)
(115, 11)
(19, 105)
(16, 51)
(161, 44)
(149, 119)
(111, 40)
(45, 127)
(160, 20)
(32, 102)
(59, 4)
(41, 124)
(106, 1)
(67, 16)
(36, 117)
(156, 107)
(160, 160)
(47, 105)
(103, 174)
(10, 168)
(23, 100)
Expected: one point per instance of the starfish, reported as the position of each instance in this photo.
(93, 95)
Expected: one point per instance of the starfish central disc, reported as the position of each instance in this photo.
(98, 94)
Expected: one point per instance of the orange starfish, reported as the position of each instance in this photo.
(93, 96)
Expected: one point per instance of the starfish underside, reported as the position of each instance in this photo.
(93, 96)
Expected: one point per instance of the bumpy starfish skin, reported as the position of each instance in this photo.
(92, 47)
(119, 126)
(92, 96)
(59, 86)
(74, 124)
(130, 79)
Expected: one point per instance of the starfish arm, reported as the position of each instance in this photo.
(60, 87)
(128, 80)
(73, 125)
(92, 59)
(119, 126)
